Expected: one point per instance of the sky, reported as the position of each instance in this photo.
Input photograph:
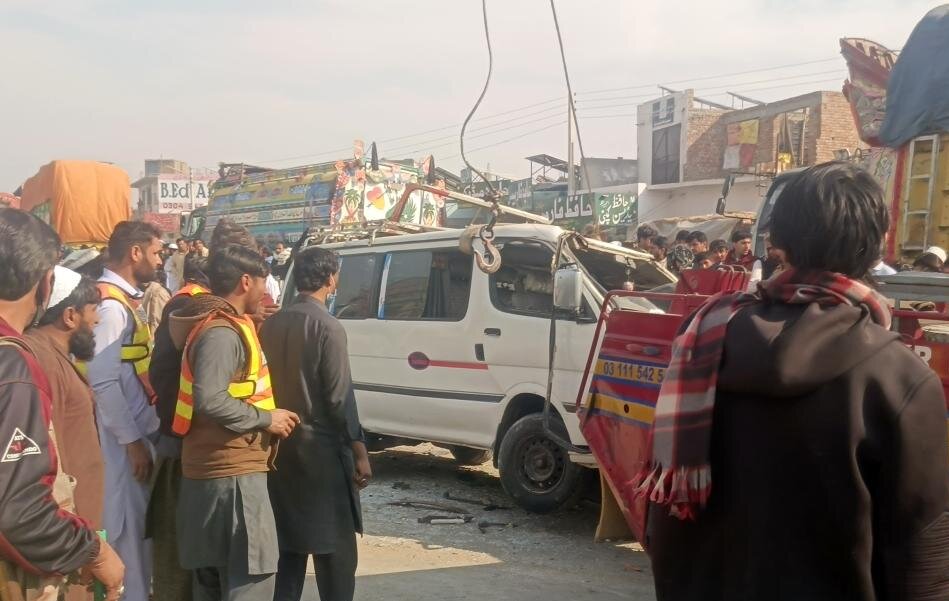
(286, 83)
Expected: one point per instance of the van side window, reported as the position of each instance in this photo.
(357, 278)
(524, 284)
(425, 285)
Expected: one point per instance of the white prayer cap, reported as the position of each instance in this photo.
(936, 251)
(65, 282)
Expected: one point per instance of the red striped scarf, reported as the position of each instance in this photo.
(678, 471)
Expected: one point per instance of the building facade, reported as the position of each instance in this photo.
(687, 147)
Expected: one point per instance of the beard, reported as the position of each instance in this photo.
(82, 344)
(145, 273)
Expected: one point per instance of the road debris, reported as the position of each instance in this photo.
(446, 519)
(484, 525)
(485, 504)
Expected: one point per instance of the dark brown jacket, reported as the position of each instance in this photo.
(830, 469)
(227, 436)
(74, 420)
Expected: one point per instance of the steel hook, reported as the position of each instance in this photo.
(490, 260)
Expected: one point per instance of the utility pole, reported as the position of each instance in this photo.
(571, 183)
(191, 186)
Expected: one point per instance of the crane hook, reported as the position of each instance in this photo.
(489, 261)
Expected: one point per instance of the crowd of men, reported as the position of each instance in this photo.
(692, 250)
(143, 459)
(185, 465)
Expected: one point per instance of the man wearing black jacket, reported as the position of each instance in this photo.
(824, 434)
(40, 542)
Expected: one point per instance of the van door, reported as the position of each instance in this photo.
(422, 376)
(516, 329)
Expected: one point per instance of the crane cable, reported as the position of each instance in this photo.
(573, 106)
(490, 260)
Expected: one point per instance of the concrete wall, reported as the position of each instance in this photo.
(829, 126)
(645, 127)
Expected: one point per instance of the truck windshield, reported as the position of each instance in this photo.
(764, 217)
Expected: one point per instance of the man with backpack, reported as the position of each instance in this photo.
(40, 540)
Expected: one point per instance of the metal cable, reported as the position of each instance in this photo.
(474, 109)
(573, 106)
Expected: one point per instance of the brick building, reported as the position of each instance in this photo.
(687, 146)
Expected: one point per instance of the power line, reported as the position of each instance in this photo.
(557, 110)
(608, 116)
(709, 77)
(524, 135)
(417, 134)
(582, 101)
(730, 86)
(418, 149)
(718, 91)
(799, 83)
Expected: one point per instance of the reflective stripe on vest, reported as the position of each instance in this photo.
(139, 351)
(192, 290)
(254, 387)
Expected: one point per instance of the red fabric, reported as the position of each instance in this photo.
(747, 261)
(677, 472)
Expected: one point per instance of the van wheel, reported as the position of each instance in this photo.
(535, 471)
(469, 456)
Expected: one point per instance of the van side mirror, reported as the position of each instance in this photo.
(568, 289)
(720, 206)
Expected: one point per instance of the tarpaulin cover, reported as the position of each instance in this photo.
(81, 200)
(917, 95)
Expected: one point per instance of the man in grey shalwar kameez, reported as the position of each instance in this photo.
(322, 467)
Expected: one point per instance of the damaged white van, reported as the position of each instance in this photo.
(444, 352)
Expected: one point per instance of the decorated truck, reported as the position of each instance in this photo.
(278, 205)
(900, 103)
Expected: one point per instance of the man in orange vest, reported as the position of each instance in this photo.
(171, 582)
(128, 424)
(227, 415)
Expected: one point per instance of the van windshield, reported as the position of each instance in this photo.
(613, 271)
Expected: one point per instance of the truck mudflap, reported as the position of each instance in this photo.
(617, 402)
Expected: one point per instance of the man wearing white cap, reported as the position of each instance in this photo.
(64, 333)
(932, 260)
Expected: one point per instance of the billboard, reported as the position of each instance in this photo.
(177, 194)
(604, 173)
(167, 223)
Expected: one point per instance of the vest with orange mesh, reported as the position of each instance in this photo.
(192, 290)
(139, 351)
(253, 386)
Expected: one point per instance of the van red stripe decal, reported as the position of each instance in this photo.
(459, 365)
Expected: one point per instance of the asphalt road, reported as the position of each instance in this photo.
(534, 558)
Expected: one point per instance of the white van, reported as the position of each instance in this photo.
(445, 353)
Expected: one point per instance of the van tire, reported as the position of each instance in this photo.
(469, 456)
(535, 471)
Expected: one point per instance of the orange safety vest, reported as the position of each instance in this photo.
(192, 290)
(254, 387)
(139, 351)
